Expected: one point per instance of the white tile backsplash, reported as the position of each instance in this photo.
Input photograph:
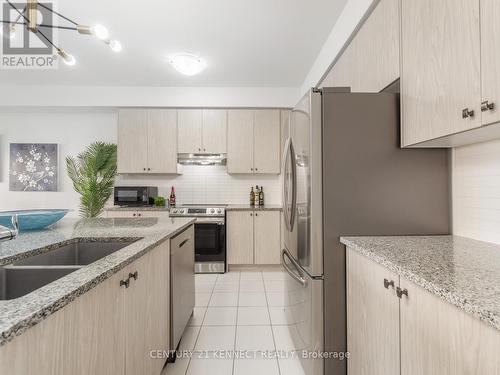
(209, 185)
(476, 191)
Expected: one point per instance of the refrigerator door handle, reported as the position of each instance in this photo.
(289, 154)
(298, 277)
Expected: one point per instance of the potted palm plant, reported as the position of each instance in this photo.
(93, 173)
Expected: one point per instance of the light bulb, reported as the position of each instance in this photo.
(67, 58)
(100, 32)
(115, 46)
(188, 64)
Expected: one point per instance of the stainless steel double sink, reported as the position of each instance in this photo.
(23, 277)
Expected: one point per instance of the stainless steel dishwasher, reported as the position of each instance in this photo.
(182, 287)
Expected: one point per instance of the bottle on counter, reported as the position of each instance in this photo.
(171, 200)
(261, 196)
(252, 197)
(257, 195)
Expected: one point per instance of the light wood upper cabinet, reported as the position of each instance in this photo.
(132, 140)
(145, 141)
(214, 131)
(240, 141)
(267, 141)
(254, 141)
(267, 237)
(240, 237)
(373, 318)
(440, 68)
(190, 125)
(202, 131)
(340, 75)
(439, 339)
(490, 60)
(371, 61)
(162, 132)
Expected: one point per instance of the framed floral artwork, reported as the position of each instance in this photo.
(33, 167)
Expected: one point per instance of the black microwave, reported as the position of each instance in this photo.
(135, 195)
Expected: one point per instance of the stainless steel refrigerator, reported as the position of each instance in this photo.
(344, 174)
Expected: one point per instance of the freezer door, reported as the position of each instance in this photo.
(304, 312)
(305, 131)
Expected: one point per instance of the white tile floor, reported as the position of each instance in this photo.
(239, 310)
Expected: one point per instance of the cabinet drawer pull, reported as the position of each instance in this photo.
(125, 283)
(184, 242)
(487, 106)
(133, 275)
(388, 283)
(466, 113)
(401, 292)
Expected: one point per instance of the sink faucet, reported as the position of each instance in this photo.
(7, 233)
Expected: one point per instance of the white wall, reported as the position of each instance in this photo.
(476, 191)
(74, 129)
(105, 96)
(209, 185)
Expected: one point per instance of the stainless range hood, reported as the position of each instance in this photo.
(202, 159)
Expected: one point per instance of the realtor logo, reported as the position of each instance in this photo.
(25, 49)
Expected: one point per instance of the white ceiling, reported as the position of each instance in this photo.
(245, 42)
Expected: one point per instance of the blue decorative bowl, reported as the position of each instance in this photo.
(32, 219)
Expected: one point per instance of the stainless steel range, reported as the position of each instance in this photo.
(210, 235)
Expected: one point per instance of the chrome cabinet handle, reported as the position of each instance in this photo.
(401, 292)
(466, 113)
(487, 106)
(125, 283)
(388, 283)
(133, 275)
(299, 278)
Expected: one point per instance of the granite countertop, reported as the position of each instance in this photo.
(247, 207)
(17, 315)
(137, 208)
(461, 271)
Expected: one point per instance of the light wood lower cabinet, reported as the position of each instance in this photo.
(147, 311)
(415, 334)
(373, 323)
(253, 237)
(111, 329)
(267, 237)
(439, 339)
(239, 237)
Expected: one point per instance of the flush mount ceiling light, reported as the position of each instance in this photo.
(28, 16)
(187, 64)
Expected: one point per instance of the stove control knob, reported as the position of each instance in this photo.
(219, 211)
(174, 211)
(212, 211)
